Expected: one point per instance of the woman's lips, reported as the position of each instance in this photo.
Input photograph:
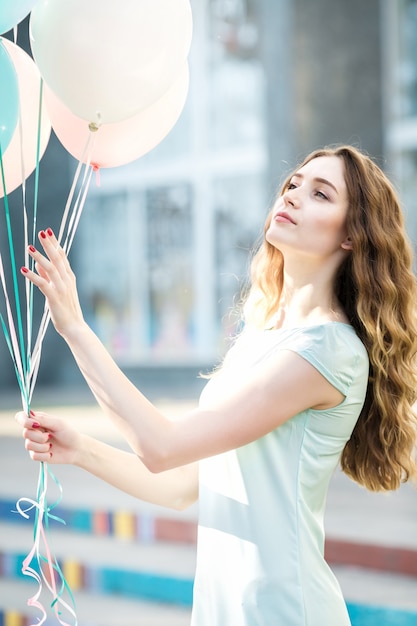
(283, 217)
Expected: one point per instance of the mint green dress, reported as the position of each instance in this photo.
(261, 540)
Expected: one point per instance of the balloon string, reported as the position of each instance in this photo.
(48, 571)
(26, 362)
(78, 209)
(38, 152)
(75, 182)
(13, 261)
(26, 374)
(10, 347)
(69, 224)
(29, 285)
(11, 336)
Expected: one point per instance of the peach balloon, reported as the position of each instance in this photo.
(22, 149)
(122, 142)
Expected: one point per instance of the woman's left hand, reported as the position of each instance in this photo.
(50, 439)
(56, 280)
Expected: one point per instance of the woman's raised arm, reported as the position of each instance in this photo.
(255, 404)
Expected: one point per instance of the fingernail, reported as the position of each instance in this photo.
(36, 425)
(24, 270)
(49, 231)
(50, 454)
(50, 445)
(32, 413)
(32, 248)
(50, 437)
(43, 234)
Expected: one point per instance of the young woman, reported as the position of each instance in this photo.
(324, 372)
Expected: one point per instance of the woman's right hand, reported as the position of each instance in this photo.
(48, 438)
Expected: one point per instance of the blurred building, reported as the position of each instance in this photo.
(163, 246)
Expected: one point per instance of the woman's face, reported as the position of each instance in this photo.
(310, 217)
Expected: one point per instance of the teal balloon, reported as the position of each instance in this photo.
(9, 98)
(12, 12)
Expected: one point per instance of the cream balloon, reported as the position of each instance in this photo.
(108, 60)
(121, 142)
(22, 149)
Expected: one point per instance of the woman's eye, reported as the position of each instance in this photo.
(291, 186)
(321, 195)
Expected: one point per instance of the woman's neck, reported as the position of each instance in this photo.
(307, 300)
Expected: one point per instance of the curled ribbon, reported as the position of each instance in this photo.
(48, 571)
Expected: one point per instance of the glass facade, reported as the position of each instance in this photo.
(163, 243)
(400, 34)
(407, 66)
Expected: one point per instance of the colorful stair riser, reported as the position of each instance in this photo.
(148, 528)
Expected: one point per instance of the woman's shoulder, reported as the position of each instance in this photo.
(329, 336)
(328, 339)
(334, 349)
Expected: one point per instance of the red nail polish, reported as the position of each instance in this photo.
(50, 445)
(32, 413)
(43, 234)
(32, 248)
(36, 425)
(24, 270)
(50, 454)
(50, 437)
(49, 231)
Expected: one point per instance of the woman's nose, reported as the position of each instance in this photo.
(290, 198)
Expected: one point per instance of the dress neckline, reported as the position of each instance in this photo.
(304, 326)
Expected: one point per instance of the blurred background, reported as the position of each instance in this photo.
(162, 247)
(161, 253)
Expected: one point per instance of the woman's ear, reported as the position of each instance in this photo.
(347, 244)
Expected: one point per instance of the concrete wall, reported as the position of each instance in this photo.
(323, 65)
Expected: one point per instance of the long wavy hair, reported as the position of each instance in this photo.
(376, 287)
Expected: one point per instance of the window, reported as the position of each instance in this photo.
(164, 241)
(400, 36)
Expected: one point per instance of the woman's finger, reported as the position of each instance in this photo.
(25, 420)
(36, 433)
(47, 267)
(41, 271)
(54, 251)
(43, 457)
(39, 281)
(37, 421)
(33, 446)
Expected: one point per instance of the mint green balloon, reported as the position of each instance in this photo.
(12, 12)
(9, 99)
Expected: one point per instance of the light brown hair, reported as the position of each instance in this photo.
(377, 289)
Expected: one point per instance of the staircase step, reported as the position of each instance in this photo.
(156, 571)
(92, 609)
(156, 580)
(144, 525)
(147, 526)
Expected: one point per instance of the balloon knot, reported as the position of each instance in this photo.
(96, 169)
(93, 127)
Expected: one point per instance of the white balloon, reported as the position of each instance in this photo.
(106, 60)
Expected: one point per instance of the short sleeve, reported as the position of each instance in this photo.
(335, 351)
